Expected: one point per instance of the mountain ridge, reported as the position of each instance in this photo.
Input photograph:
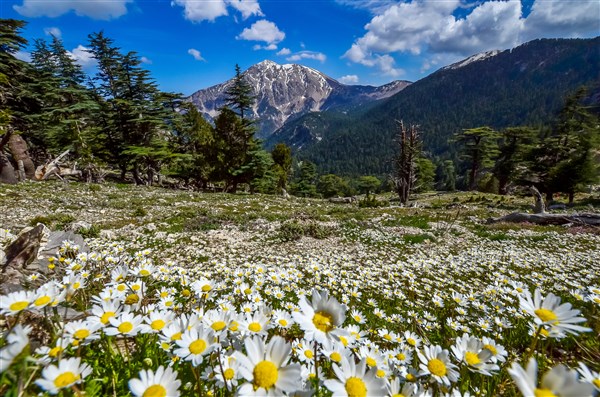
(288, 91)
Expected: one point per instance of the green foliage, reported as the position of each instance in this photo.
(291, 231)
(367, 184)
(282, 157)
(57, 221)
(139, 212)
(372, 202)
(91, 232)
(331, 185)
(305, 185)
(425, 175)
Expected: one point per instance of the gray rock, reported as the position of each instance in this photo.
(108, 234)
(80, 225)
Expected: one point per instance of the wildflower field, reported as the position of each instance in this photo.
(188, 294)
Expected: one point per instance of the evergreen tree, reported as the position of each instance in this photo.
(239, 95)
(425, 172)
(479, 148)
(367, 184)
(515, 144)
(282, 157)
(66, 121)
(331, 185)
(305, 186)
(446, 176)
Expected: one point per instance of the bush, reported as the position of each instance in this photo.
(139, 212)
(372, 202)
(54, 221)
(291, 231)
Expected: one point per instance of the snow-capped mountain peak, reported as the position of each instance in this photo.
(473, 58)
(285, 92)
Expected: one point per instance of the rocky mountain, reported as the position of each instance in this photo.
(526, 85)
(286, 92)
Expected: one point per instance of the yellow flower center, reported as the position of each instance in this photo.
(308, 354)
(255, 327)
(55, 351)
(437, 367)
(283, 322)
(106, 316)
(544, 332)
(176, 336)
(155, 391)
(65, 379)
(165, 346)
(228, 374)
(398, 395)
(380, 373)
(81, 333)
(265, 375)
(218, 325)
(472, 358)
(323, 321)
(132, 299)
(344, 341)
(355, 387)
(543, 393)
(197, 346)
(121, 287)
(145, 272)
(186, 292)
(596, 383)
(335, 356)
(18, 306)
(387, 337)
(411, 342)
(125, 327)
(76, 285)
(206, 288)
(136, 287)
(371, 362)
(491, 348)
(157, 325)
(546, 315)
(42, 300)
(233, 326)
(401, 356)
(247, 291)
(410, 377)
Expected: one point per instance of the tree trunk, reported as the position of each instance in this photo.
(19, 150)
(571, 197)
(136, 175)
(549, 197)
(539, 207)
(549, 219)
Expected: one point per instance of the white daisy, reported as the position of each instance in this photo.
(163, 383)
(321, 318)
(266, 369)
(195, 344)
(559, 381)
(69, 372)
(435, 362)
(353, 380)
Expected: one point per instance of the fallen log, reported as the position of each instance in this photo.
(587, 219)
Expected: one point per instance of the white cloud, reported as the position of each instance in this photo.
(196, 54)
(53, 32)
(262, 30)
(146, 60)
(429, 26)
(284, 51)
(197, 11)
(319, 56)
(23, 56)
(270, 47)
(82, 56)
(246, 7)
(96, 9)
(349, 79)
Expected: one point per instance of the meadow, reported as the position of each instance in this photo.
(180, 293)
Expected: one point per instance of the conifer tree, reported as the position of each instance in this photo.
(479, 148)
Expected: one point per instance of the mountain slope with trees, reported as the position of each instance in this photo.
(523, 86)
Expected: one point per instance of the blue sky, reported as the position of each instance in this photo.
(193, 44)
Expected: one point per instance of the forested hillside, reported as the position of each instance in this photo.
(524, 86)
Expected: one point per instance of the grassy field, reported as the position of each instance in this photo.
(389, 301)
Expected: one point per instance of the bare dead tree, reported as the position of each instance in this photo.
(408, 145)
